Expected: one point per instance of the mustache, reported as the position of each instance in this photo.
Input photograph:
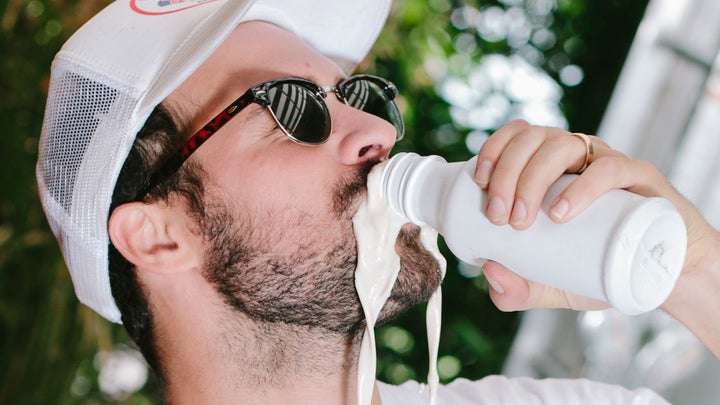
(349, 189)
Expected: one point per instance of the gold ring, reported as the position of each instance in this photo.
(588, 151)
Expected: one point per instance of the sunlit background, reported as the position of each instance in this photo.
(463, 68)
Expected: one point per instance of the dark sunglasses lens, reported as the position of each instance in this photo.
(300, 112)
(370, 97)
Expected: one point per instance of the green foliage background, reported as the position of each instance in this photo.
(49, 342)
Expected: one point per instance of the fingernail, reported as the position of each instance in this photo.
(560, 209)
(496, 210)
(483, 173)
(519, 213)
(495, 285)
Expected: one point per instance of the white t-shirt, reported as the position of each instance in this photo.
(518, 391)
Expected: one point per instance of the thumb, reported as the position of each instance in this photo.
(510, 292)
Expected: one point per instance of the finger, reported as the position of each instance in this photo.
(558, 153)
(493, 148)
(615, 170)
(504, 180)
(607, 173)
(510, 292)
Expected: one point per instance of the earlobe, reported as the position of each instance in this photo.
(151, 237)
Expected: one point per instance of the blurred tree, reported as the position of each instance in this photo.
(46, 335)
(52, 347)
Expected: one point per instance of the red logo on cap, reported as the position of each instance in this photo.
(159, 7)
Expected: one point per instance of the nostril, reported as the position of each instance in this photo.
(364, 150)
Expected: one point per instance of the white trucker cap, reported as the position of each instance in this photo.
(110, 75)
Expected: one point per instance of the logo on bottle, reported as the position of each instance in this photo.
(160, 7)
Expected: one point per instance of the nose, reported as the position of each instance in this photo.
(358, 136)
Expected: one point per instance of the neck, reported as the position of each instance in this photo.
(261, 363)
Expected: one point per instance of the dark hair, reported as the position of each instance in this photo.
(158, 138)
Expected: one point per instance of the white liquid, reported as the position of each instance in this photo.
(376, 228)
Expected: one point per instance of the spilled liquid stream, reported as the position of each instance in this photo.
(376, 228)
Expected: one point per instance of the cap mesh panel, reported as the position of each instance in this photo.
(80, 103)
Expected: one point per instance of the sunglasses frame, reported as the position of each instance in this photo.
(259, 94)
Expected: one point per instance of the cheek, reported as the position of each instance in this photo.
(276, 181)
(282, 225)
(292, 182)
(273, 196)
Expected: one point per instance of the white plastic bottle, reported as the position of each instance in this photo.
(624, 249)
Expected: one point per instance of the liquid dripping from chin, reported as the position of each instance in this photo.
(376, 228)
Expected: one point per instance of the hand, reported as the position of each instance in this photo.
(518, 164)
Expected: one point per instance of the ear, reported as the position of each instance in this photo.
(154, 237)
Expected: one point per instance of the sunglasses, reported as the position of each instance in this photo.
(299, 109)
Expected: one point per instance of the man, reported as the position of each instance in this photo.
(205, 201)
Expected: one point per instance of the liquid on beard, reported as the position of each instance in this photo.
(376, 228)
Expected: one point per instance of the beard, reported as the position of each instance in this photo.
(313, 285)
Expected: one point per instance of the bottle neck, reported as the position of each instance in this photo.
(403, 178)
